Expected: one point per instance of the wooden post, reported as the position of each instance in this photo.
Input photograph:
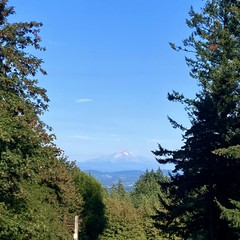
(75, 235)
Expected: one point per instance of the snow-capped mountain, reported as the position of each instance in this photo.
(119, 161)
(123, 153)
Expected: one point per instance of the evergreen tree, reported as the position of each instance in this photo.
(232, 215)
(204, 179)
(148, 187)
(145, 197)
(124, 220)
(118, 191)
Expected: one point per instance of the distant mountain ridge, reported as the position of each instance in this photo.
(119, 161)
(128, 178)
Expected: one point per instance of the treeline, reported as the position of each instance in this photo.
(40, 190)
(130, 214)
(118, 214)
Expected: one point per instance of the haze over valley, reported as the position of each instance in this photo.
(122, 160)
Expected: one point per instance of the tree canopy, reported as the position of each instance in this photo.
(37, 192)
(207, 167)
(93, 214)
(40, 190)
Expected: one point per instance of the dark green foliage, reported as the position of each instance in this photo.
(22, 132)
(37, 192)
(204, 176)
(39, 220)
(232, 215)
(93, 214)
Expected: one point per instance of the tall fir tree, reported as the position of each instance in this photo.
(205, 180)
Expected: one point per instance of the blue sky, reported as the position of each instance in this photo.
(110, 68)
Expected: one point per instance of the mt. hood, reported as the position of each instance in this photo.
(119, 161)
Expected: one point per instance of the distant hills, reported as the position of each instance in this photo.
(121, 165)
(119, 161)
(128, 178)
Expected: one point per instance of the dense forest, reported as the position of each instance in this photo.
(41, 190)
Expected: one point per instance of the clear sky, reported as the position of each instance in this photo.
(110, 68)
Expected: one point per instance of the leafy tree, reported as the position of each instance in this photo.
(21, 102)
(36, 187)
(204, 179)
(93, 214)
